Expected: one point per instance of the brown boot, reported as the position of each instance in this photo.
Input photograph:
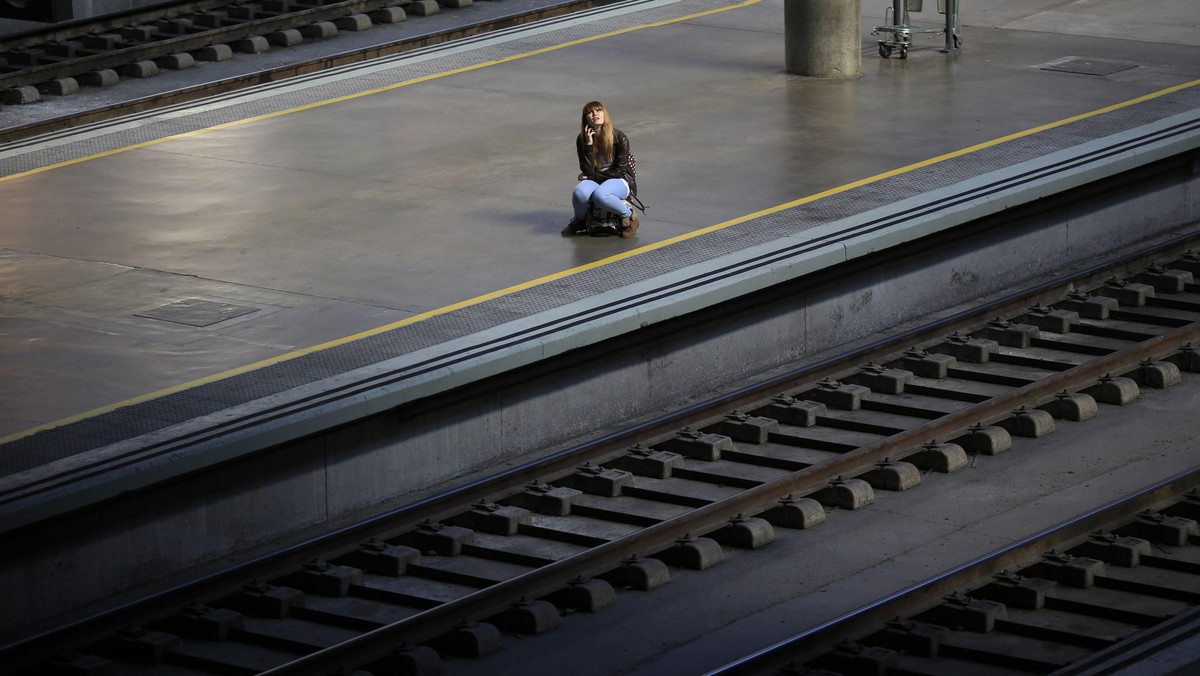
(629, 225)
(573, 227)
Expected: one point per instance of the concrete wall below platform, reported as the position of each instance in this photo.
(142, 541)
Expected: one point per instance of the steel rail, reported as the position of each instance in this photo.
(924, 595)
(487, 602)
(444, 505)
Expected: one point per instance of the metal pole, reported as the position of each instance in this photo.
(951, 23)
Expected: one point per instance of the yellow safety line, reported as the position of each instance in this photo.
(364, 334)
(556, 275)
(911, 167)
(390, 87)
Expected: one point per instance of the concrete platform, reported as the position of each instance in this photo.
(416, 201)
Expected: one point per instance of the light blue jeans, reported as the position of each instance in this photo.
(607, 194)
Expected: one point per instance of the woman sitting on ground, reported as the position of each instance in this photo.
(606, 171)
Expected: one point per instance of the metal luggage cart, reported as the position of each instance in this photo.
(900, 30)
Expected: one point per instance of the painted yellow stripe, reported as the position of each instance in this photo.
(357, 336)
(911, 167)
(547, 278)
(390, 87)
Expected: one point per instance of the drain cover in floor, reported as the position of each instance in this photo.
(195, 312)
(1086, 66)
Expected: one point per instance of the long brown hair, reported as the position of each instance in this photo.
(602, 150)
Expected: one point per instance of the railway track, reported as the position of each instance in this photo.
(1099, 593)
(455, 572)
(103, 51)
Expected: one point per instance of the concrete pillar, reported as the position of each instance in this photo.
(822, 38)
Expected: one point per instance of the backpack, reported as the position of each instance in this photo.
(600, 222)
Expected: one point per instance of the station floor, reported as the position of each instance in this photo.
(149, 254)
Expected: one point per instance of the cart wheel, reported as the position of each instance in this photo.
(885, 50)
(903, 52)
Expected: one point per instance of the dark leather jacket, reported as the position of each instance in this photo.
(623, 165)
